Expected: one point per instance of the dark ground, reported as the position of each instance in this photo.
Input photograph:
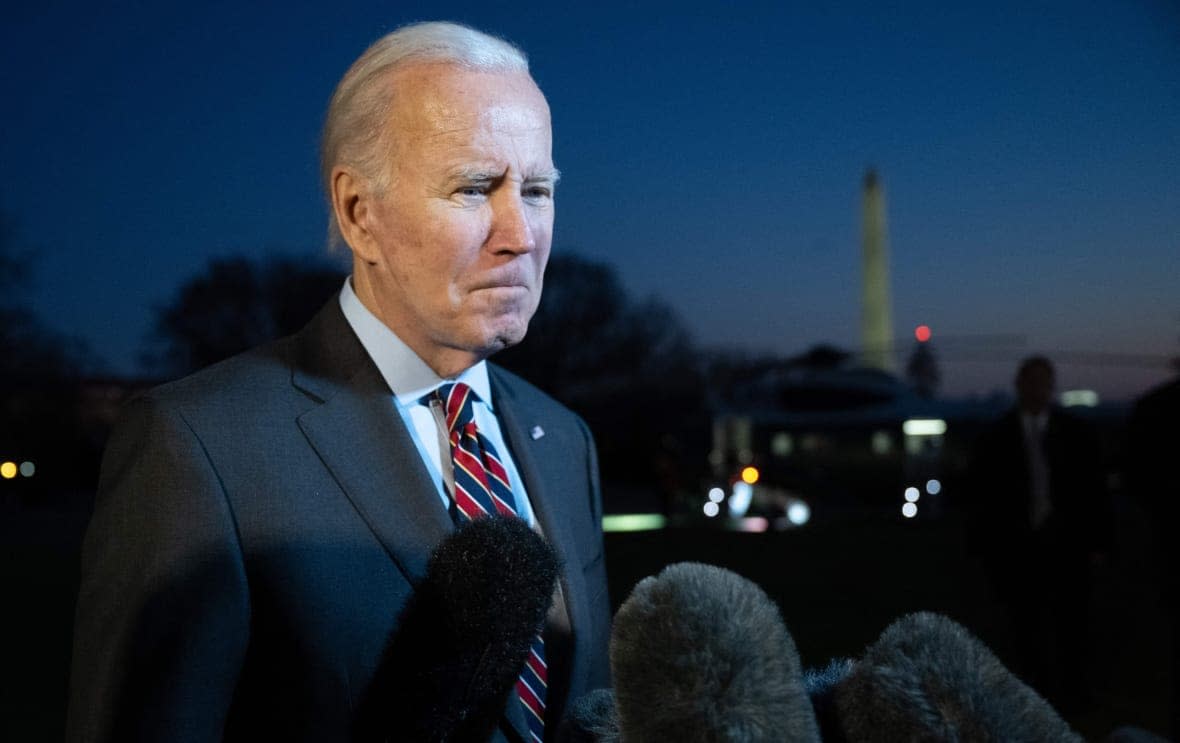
(838, 585)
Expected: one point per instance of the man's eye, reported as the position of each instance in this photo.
(472, 191)
(537, 193)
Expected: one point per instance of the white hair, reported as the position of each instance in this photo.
(355, 123)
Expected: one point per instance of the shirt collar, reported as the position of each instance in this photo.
(408, 376)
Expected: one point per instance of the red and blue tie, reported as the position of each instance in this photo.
(482, 489)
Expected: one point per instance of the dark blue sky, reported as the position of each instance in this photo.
(713, 154)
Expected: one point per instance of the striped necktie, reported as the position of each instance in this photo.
(481, 489)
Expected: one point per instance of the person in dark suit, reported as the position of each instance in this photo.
(1041, 521)
(260, 525)
(1153, 479)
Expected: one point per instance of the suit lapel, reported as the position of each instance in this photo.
(543, 464)
(358, 434)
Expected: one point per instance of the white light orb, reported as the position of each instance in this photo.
(798, 513)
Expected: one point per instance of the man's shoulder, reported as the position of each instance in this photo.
(1163, 397)
(231, 408)
(240, 383)
(265, 376)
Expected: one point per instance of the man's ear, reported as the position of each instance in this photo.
(352, 202)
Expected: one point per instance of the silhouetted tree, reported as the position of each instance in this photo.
(628, 367)
(32, 353)
(39, 386)
(236, 304)
(589, 340)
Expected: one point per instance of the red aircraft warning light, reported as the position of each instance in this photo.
(922, 333)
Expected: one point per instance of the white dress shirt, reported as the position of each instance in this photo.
(1040, 504)
(411, 379)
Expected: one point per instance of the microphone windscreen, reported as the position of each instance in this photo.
(463, 637)
(591, 719)
(699, 653)
(494, 578)
(928, 679)
(821, 686)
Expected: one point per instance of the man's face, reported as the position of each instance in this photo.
(1034, 388)
(462, 233)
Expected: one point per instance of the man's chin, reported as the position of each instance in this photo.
(493, 334)
(506, 336)
(506, 340)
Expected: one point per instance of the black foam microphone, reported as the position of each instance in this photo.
(463, 637)
(699, 653)
(591, 719)
(928, 679)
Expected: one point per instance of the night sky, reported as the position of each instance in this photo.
(714, 155)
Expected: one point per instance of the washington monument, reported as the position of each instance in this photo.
(876, 307)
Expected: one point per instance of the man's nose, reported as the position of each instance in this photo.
(512, 230)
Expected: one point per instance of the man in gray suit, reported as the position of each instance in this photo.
(260, 525)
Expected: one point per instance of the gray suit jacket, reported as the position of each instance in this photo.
(260, 525)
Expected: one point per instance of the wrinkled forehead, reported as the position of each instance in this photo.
(436, 99)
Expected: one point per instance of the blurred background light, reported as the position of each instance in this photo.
(924, 427)
(739, 499)
(798, 513)
(782, 444)
(882, 442)
(633, 522)
(1079, 398)
(753, 524)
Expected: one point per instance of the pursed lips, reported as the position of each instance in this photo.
(502, 282)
